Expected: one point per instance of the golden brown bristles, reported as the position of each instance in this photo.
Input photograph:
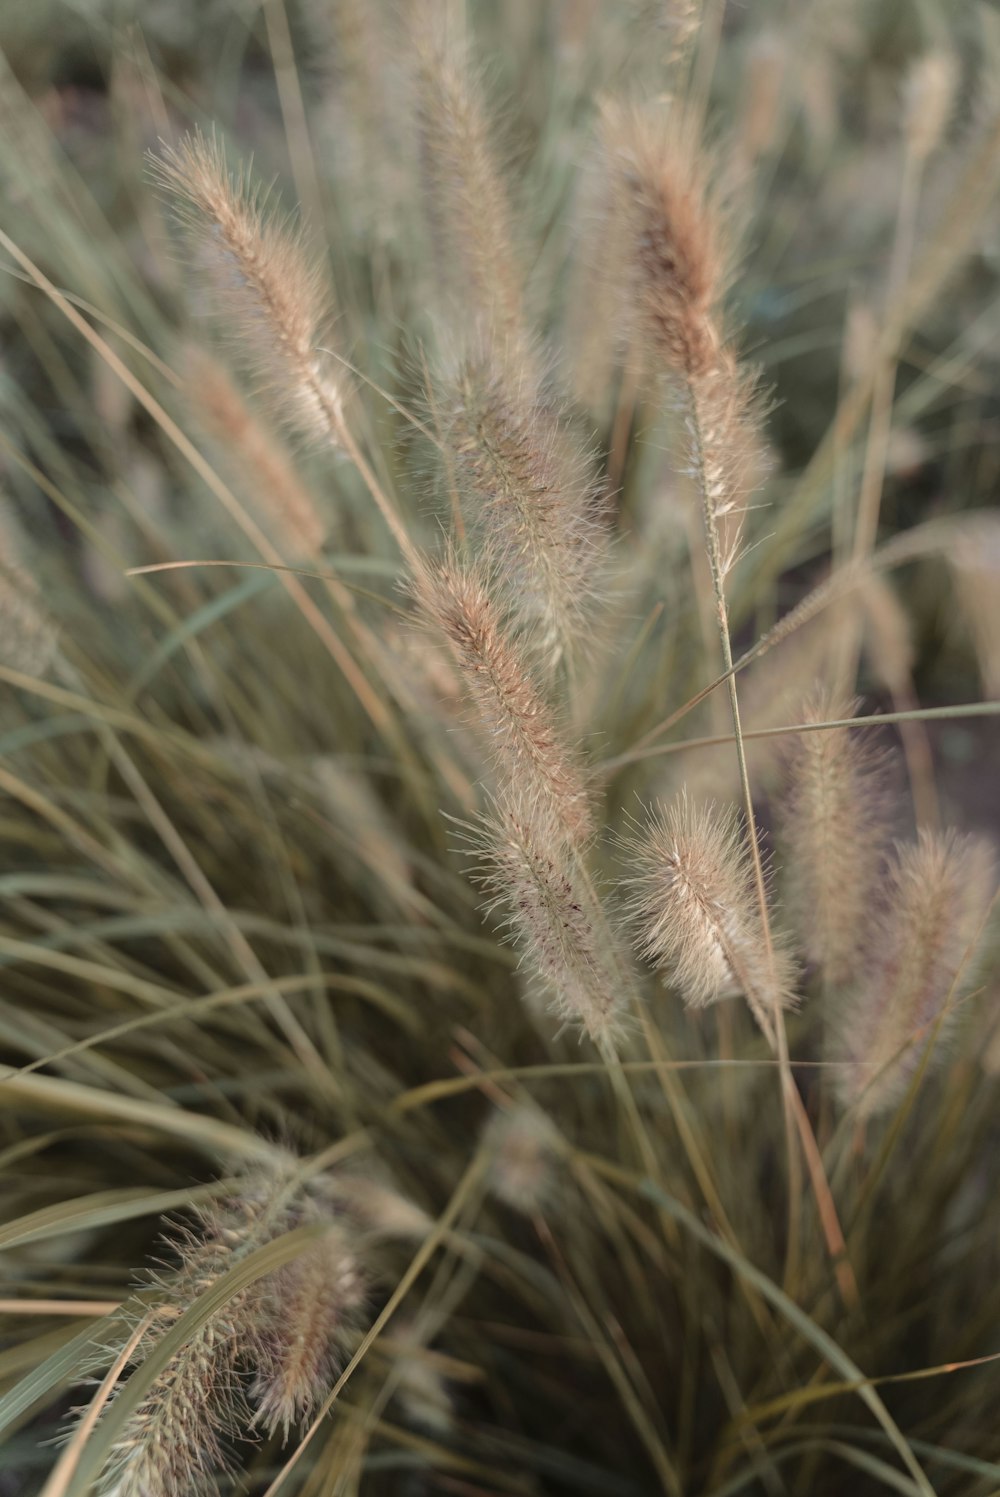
(918, 961)
(696, 912)
(269, 293)
(834, 834)
(677, 236)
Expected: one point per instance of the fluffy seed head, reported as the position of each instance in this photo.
(534, 502)
(311, 1309)
(677, 237)
(470, 217)
(937, 894)
(834, 834)
(270, 295)
(695, 908)
(723, 414)
(174, 1445)
(528, 752)
(566, 948)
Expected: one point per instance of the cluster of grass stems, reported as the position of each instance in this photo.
(499, 985)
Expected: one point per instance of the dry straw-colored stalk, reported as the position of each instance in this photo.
(975, 563)
(534, 505)
(918, 962)
(696, 913)
(835, 834)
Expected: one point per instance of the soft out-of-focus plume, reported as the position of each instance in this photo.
(567, 950)
(930, 93)
(529, 753)
(282, 501)
(469, 212)
(834, 836)
(918, 961)
(520, 1143)
(696, 913)
(766, 66)
(975, 564)
(421, 1388)
(534, 504)
(367, 829)
(311, 1308)
(268, 292)
(380, 1209)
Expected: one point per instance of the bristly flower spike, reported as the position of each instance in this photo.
(695, 910)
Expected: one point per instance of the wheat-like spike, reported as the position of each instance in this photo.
(835, 835)
(936, 897)
(694, 905)
(283, 501)
(553, 918)
(311, 1310)
(536, 505)
(528, 750)
(270, 295)
(470, 215)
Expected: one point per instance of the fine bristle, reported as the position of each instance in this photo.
(695, 910)
(918, 961)
(834, 835)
